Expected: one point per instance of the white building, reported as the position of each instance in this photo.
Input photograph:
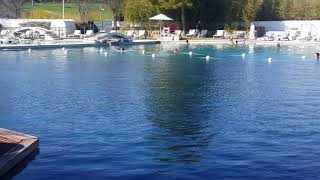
(305, 28)
(60, 27)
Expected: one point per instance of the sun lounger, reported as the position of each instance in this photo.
(192, 33)
(203, 33)
(239, 34)
(130, 33)
(219, 34)
(177, 35)
(9, 40)
(89, 33)
(305, 36)
(5, 32)
(76, 34)
(283, 36)
(165, 31)
(142, 34)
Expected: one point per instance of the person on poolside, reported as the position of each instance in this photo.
(231, 41)
(278, 45)
(316, 56)
(172, 28)
(198, 28)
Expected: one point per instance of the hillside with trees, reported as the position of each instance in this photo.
(212, 13)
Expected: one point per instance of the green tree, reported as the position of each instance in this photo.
(250, 10)
(279, 9)
(138, 10)
(234, 11)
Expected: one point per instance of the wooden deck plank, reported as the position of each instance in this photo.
(14, 147)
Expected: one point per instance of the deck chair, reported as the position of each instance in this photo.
(89, 33)
(203, 33)
(219, 34)
(192, 33)
(76, 34)
(130, 33)
(5, 33)
(142, 34)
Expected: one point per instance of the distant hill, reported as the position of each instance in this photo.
(51, 10)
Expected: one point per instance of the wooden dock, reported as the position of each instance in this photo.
(14, 148)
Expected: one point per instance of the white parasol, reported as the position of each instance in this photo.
(161, 17)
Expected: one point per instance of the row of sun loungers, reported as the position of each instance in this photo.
(218, 34)
(288, 36)
(140, 35)
(195, 33)
(77, 34)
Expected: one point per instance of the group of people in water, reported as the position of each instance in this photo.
(175, 50)
(316, 56)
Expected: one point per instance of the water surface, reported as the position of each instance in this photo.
(132, 116)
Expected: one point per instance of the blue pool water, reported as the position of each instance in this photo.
(132, 116)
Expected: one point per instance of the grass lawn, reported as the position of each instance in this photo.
(54, 11)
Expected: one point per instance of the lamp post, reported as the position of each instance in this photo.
(101, 9)
(62, 9)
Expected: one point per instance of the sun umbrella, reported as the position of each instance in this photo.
(161, 17)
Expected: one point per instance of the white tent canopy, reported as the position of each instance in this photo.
(161, 17)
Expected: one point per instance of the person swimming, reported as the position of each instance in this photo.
(120, 49)
(175, 50)
(316, 56)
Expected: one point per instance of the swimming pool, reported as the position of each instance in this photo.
(132, 116)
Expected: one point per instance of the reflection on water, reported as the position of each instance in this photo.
(176, 99)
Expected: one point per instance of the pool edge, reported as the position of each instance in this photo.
(19, 152)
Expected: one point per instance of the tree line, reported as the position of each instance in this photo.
(211, 13)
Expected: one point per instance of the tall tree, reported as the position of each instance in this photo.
(234, 11)
(250, 10)
(180, 5)
(84, 8)
(279, 9)
(116, 7)
(11, 8)
(138, 10)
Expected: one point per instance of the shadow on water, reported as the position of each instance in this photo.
(176, 96)
(21, 166)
